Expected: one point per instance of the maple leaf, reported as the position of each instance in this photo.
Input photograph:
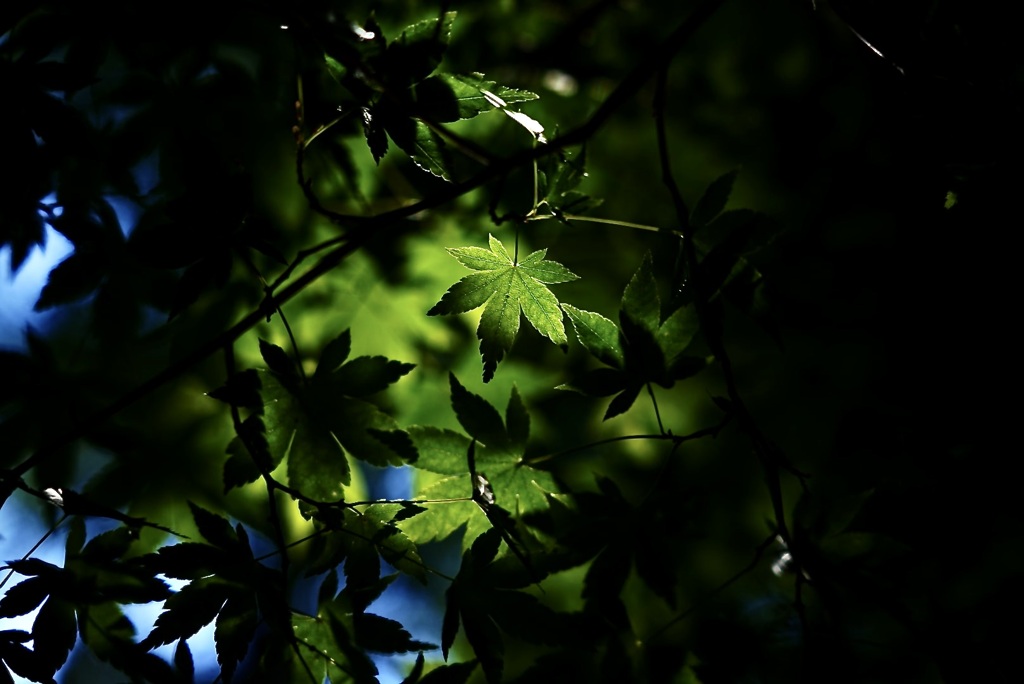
(494, 485)
(507, 288)
(644, 349)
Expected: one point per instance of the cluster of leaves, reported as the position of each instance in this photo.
(314, 420)
(400, 95)
(479, 484)
(493, 490)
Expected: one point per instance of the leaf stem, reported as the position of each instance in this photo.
(295, 345)
(596, 219)
(657, 413)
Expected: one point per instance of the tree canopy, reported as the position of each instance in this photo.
(511, 341)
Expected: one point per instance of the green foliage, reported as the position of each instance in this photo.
(646, 349)
(258, 206)
(312, 422)
(498, 447)
(507, 287)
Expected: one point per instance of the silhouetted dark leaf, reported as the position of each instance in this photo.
(54, 632)
(453, 673)
(713, 201)
(236, 627)
(72, 279)
(183, 662)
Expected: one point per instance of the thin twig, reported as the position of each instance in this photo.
(675, 439)
(35, 546)
(758, 554)
(657, 413)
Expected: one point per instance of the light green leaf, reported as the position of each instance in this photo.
(440, 451)
(507, 288)
(518, 488)
(598, 334)
(449, 97)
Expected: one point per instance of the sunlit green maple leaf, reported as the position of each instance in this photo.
(517, 487)
(506, 287)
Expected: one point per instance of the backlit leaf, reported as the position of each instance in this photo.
(507, 288)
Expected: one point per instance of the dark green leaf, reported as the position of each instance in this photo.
(713, 202)
(416, 53)
(600, 382)
(559, 178)
(188, 611)
(359, 598)
(24, 663)
(477, 417)
(34, 566)
(417, 670)
(334, 354)
(316, 463)
(74, 278)
(105, 630)
(606, 575)
(368, 375)
(358, 424)
(408, 510)
(454, 673)
(424, 146)
(54, 632)
(376, 136)
(398, 441)
(522, 616)
(623, 401)
(25, 596)
(517, 420)
(329, 587)
(183, 662)
(278, 360)
(676, 333)
(483, 636)
(236, 627)
(187, 560)
(214, 528)
(76, 537)
(381, 635)
(241, 390)
(656, 567)
(640, 302)
(239, 468)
